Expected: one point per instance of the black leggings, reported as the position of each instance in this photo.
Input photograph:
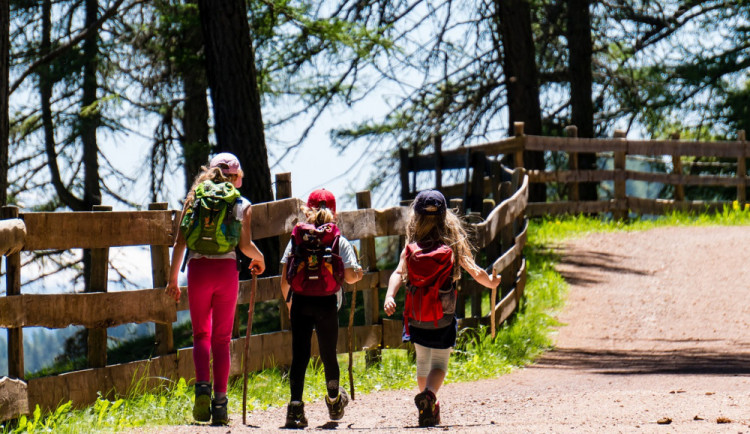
(322, 314)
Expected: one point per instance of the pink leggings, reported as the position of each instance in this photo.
(213, 285)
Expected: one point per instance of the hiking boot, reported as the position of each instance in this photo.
(429, 412)
(295, 415)
(202, 405)
(336, 405)
(219, 415)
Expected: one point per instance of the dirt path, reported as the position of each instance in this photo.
(656, 327)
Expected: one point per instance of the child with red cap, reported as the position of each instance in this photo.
(436, 243)
(314, 264)
(213, 280)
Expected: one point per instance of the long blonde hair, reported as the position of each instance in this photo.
(207, 174)
(318, 216)
(442, 229)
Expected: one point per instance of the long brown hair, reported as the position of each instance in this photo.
(442, 229)
(207, 174)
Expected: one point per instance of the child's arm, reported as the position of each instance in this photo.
(353, 272)
(394, 284)
(478, 274)
(285, 287)
(248, 247)
(178, 252)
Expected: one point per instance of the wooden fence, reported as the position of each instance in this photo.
(485, 172)
(502, 235)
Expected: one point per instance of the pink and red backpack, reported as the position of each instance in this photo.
(314, 266)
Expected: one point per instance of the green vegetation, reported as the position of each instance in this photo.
(477, 355)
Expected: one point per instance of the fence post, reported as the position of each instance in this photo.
(518, 132)
(507, 240)
(160, 278)
(284, 191)
(742, 171)
(437, 144)
(572, 132)
(97, 340)
(491, 250)
(679, 188)
(620, 212)
(13, 287)
(405, 167)
(478, 164)
(368, 260)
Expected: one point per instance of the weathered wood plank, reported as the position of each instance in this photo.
(12, 236)
(677, 179)
(502, 215)
(511, 254)
(107, 309)
(558, 208)
(569, 144)
(275, 218)
(90, 230)
(14, 399)
(573, 176)
(686, 148)
(392, 332)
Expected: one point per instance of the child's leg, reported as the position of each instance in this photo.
(327, 328)
(432, 366)
(302, 327)
(199, 280)
(224, 302)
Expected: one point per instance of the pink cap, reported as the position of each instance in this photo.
(322, 198)
(228, 163)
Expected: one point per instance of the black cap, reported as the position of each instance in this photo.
(430, 202)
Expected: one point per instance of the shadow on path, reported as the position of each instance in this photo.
(643, 362)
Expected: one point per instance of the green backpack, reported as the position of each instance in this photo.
(208, 225)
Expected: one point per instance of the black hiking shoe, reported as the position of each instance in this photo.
(336, 405)
(429, 411)
(202, 405)
(295, 415)
(219, 415)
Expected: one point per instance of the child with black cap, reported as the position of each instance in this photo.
(315, 263)
(436, 242)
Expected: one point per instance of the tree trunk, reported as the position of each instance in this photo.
(89, 123)
(582, 107)
(230, 67)
(195, 146)
(4, 94)
(90, 116)
(513, 18)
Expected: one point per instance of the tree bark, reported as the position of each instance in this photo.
(580, 48)
(195, 146)
(513, 18)
(4, 94)
(230, 66)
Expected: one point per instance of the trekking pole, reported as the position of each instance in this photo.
(493, 300)
(350, 332)
(246, 356)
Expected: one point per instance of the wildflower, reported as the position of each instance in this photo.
(735, 205)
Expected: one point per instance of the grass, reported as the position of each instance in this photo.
(476, 356)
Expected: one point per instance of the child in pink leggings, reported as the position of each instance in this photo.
(213, 285)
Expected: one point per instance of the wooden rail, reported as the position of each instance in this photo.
(502, 235)
(485, 175)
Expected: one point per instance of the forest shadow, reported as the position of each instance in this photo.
(645, 362)
(589, 266)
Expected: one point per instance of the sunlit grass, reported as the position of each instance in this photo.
(476, 356)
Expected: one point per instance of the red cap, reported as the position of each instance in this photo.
(322, 198)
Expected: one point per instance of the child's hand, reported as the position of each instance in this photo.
(389, 306)
(257, 266)
(494, 280)
(173, 290)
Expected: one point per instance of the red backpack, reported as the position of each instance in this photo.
(430, 293)
(314, 266)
